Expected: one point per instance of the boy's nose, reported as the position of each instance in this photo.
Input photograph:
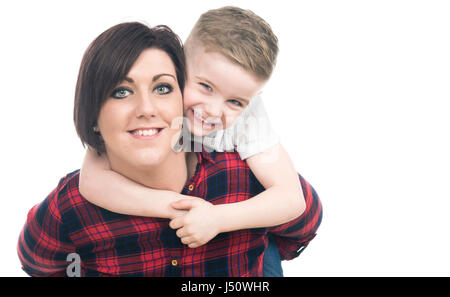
(213, 110)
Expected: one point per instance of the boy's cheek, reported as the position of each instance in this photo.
(188, 99)
(230, 119)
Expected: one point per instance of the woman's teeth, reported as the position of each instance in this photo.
(149, 132)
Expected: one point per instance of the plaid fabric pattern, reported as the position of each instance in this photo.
(111, 244)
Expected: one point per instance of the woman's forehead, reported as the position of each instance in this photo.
(152, 62)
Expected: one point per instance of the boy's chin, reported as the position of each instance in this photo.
(202, 133)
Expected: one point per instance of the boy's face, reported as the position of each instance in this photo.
(216, 92)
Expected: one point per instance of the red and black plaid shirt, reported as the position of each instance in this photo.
(113, 244)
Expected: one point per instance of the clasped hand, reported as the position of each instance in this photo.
(198, 224)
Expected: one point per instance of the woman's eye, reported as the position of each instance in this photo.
(206, 87)
(235, 102)
(163, 89)
(121, 93)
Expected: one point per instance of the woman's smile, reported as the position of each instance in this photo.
(146, 133)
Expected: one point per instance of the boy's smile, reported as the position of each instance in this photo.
(208, 123)
(217, 90)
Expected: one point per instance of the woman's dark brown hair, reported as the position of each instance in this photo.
(107, 61)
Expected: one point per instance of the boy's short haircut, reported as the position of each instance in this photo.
(240, 35)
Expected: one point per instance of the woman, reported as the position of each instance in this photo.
(137, 135)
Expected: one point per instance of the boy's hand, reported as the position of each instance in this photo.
(199, 225)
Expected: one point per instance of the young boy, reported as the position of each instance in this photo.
(230, 55)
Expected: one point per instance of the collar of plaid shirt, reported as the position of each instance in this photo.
(113, 244)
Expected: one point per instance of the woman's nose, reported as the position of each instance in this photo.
(145, 106)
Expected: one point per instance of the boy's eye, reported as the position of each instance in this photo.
(163, 89)
(121, 93)
(235, 102)
(207, 87)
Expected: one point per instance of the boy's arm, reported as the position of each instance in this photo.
(281, 202)
(114, 192)
(283, 199)
(294, 236)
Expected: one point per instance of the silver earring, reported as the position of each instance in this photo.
(96, 129)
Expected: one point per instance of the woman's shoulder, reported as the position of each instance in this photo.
(50, 211)
(66, 193)
(68, 185)
(69, 181)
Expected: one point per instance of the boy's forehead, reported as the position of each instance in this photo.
(224, 76)
(202, 58)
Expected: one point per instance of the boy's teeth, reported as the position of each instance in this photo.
(199, 116)
(145, 132)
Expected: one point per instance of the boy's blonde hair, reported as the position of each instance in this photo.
(240, 35)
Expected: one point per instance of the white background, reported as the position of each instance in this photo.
(359, 96)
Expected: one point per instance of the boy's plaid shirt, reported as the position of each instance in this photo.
(113, 244)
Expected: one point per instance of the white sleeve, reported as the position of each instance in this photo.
(252, 132)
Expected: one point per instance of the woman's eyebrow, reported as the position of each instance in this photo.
(155, 78)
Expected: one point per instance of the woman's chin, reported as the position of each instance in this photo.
(148, 158)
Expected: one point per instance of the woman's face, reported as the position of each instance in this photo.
(136, 120)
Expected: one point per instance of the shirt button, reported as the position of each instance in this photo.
(174, 262)
(191, 187)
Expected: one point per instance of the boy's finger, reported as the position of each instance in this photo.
(183, 204)
(194, 245)
(188, 240)
(182, 232)
(179, 213)
(176, 223)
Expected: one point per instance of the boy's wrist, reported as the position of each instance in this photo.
(224, 217)
(158, 205)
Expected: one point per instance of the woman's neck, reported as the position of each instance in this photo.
(171, 174)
